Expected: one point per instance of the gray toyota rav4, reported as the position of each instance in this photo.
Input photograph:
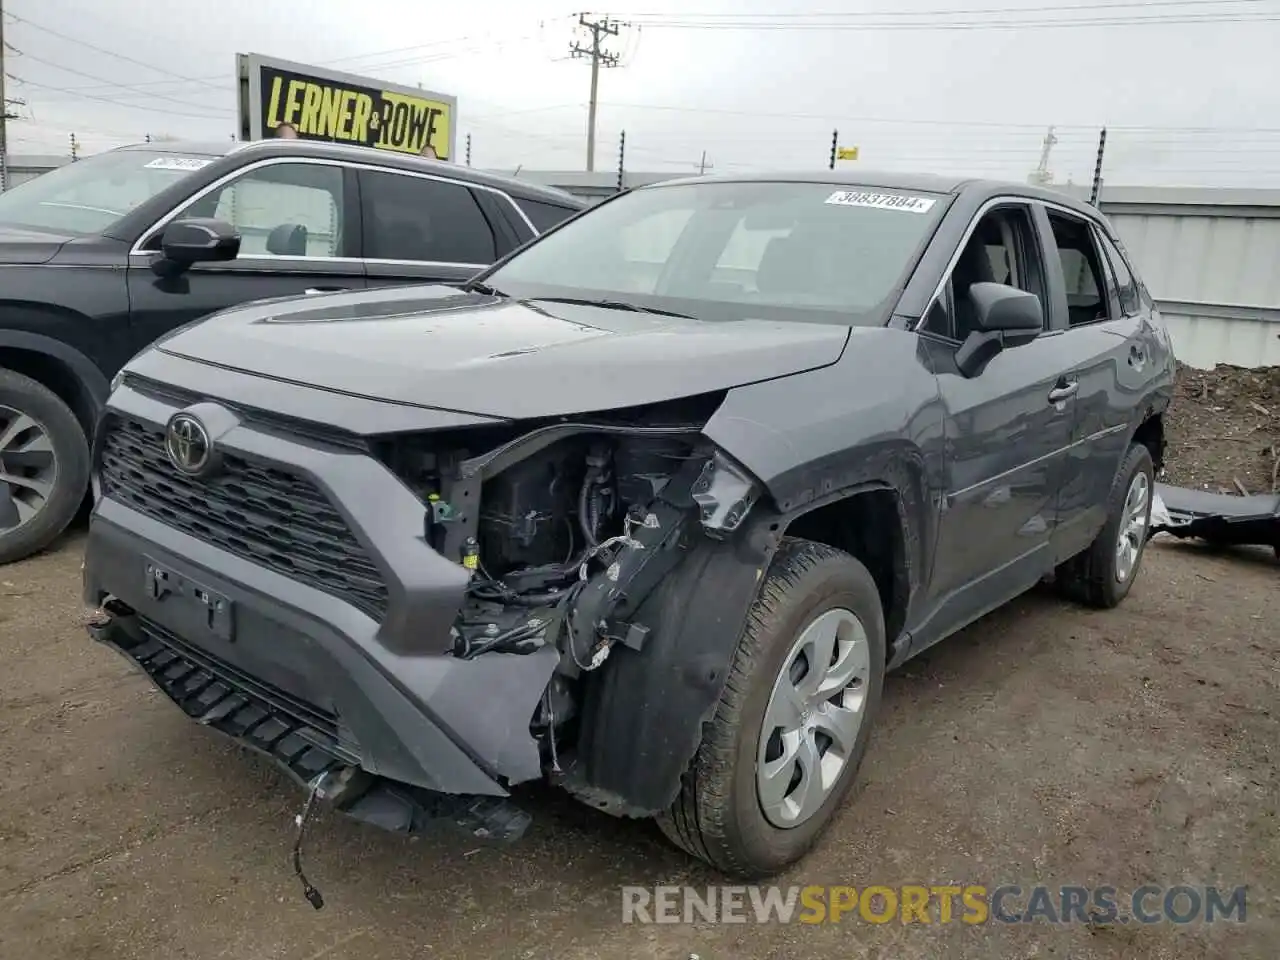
(646, 509)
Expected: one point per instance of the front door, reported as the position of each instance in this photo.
(299, 231)
(420, 229)
(1007, 432)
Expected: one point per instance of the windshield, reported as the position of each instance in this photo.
(87, 196)
(723, 251)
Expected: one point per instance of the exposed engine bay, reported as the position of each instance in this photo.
(567, 527)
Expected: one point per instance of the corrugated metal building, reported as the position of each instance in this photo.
(1211, 258)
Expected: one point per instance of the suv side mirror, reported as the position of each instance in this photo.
(1005, 317)
(195, 240)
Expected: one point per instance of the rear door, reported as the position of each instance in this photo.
(298, 223)
(425, 229)
(1104, 347)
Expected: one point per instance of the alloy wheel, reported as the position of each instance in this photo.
(1133, 526)
(28, 468)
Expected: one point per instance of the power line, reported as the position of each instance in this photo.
(931, 14)
(942, 24)
(122, 86)
(995, 124)
(103, 50)
(121, 103)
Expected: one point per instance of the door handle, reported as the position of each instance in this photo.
(313, 290)
(1063, 391)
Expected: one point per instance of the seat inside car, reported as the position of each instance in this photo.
(288, 240)
(973, 266)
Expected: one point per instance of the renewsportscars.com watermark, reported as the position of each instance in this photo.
(935, 904)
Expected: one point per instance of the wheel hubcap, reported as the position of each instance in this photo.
(28, 468)
(812, 721)
(1133, 527)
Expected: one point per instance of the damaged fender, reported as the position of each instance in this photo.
(643, 712)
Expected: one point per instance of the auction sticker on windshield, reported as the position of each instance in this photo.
(881, 201)
(177, 163)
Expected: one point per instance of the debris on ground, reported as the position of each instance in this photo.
(1223, 428)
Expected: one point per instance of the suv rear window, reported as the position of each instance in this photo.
(544, 216)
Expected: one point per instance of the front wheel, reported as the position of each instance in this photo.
(793, 723)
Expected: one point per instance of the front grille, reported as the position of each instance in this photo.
(262, 513)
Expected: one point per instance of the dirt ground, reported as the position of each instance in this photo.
(1224, 429)
(1047, 744)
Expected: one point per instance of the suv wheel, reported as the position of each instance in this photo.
(1103, 574)
(44, 466)
(792, 725)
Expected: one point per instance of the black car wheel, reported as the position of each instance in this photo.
(792, 725)
(1103, 574)
(44, 466)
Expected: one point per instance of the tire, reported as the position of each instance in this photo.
(1094, 577)
(47, 516)
(719, 816)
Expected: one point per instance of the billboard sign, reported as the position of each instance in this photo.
(279, 98)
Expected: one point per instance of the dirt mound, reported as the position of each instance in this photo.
(1223, 426)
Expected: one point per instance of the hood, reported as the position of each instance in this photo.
(20, 245)
(437, 347)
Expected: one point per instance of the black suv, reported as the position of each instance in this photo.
(103, 255)
(648, 508)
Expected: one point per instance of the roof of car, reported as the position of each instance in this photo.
(385, 158)
(892, 180)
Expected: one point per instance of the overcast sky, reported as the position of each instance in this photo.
(1189, 96)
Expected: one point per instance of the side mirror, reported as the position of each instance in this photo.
(195, 240)
(1005, 317)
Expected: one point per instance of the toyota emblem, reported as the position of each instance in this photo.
(187, 443)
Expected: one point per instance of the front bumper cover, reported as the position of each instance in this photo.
(384, 697)
(302, 740)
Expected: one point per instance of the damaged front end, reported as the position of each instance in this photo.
(408, 624)
(566, 529)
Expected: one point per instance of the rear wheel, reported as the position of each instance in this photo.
(44, 466)
(792, 726)
(1103, 574)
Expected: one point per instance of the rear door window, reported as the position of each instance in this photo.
(417, 218)
(544, 216)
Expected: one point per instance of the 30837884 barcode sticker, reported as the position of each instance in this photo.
(881, 201)
(178, 163)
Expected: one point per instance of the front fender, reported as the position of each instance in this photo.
(643, 712)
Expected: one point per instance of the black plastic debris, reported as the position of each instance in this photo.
(1221, 519)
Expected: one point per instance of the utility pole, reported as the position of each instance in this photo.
(622, 158)
(1096, 193)
(702, 164)
(4, 112)
(599, 57)
(1042, 176)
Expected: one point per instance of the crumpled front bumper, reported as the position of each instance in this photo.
(303, 676)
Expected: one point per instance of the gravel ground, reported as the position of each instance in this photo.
(1224, 429)
(1046, 744)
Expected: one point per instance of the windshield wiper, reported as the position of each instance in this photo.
(478, 287)
(615, 305)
